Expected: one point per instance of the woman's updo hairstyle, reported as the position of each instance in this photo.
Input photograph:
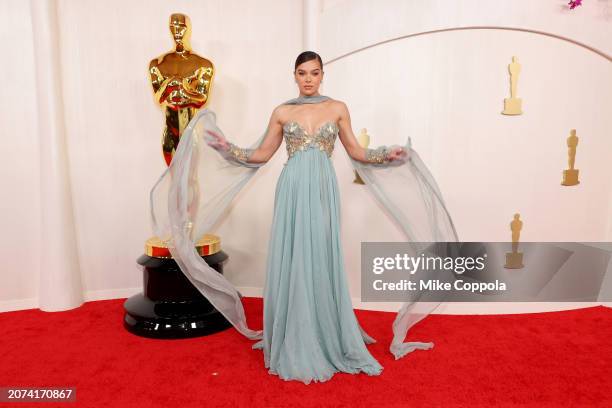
(307, 56)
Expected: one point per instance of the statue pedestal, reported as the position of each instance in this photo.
(358, 179)
(570, 177)
(514, 260)
(170, 306)
(512, 106)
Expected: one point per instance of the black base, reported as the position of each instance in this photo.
(170, 306)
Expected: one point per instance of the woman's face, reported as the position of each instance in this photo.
(308, 76)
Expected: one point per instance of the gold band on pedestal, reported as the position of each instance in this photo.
(207, 245)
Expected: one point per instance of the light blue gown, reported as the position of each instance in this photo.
(310, 330)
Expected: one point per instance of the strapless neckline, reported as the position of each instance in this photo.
(318, 129)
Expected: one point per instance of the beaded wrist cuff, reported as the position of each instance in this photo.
(379, 155)
(240, 153)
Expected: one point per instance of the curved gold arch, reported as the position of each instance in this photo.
(559, 37)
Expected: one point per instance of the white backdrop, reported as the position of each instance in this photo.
(450, 87)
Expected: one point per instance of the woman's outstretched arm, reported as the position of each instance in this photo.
(382, 154)
(261, 154)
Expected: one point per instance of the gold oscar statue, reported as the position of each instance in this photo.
(364, 141)
(170, 306)
(514, 259)
(181, 83)
(570, 176)
(512, 105)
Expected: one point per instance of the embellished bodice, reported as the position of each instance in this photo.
(296, 138)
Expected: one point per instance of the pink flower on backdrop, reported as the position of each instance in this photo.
(574, 3)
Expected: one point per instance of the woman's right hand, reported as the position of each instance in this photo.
(218, 142)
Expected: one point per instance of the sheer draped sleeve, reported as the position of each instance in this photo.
(188, 200)
(411, 197)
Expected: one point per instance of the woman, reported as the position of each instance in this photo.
(310, 330)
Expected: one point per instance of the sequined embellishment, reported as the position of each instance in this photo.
(240, 153)
(296, 138)
(379, 155)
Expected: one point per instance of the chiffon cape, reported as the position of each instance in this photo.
(195, 192)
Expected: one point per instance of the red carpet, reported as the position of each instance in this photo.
(541, 359)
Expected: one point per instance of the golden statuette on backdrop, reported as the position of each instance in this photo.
(181, 83)
(514, 259)
(364, 141)
(570, 176)
(512, 105)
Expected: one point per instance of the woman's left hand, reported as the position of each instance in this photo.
(398, 153)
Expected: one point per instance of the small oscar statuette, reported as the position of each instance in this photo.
(512, 105)
(514, 259)
(570, 176)
(364, 141)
